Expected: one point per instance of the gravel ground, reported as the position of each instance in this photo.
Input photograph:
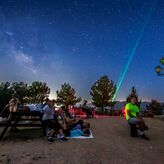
(111, 144)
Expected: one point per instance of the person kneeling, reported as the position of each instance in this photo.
(134, 119)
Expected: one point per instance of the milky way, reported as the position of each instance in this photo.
(79, 41)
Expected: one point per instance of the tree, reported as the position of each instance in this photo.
(133, 94)
(66, 96)
(156, 107)
(102, 92)
(5, 94)
(20, 90)
(38, 91)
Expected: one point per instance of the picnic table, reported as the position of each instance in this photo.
(20, 118)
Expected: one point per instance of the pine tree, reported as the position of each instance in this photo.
(20, 90)
(102, 92)
(37, 91)
(133, 94)
(66, 96)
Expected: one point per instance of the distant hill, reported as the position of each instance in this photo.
(120, 104)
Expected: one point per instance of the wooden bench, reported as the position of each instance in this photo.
(18, 119)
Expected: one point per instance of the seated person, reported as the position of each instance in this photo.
(13, 104)
(83, 131)
(132, 116)
(75, 127)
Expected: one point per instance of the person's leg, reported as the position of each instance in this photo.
(133, 127)
(14, 128)
(62, 135)
(60, 130)
(142, 125)
(48, 129)
(142, 128)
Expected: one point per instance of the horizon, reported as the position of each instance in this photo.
(77, 42)
(54, 96)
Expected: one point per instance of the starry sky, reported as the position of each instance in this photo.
(78, 41)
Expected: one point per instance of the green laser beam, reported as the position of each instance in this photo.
(148, 16)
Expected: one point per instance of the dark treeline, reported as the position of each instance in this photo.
(101, 92)
(32, 93)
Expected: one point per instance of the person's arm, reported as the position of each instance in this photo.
(139, 116)
(129, 113)
(45, 109)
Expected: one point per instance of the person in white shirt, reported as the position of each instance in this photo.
(52, 125)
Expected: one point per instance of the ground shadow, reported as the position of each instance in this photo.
(23, 134)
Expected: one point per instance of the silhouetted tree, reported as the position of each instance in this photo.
(20, 90)
(102, 92)
(66, 96)
(33, 93)
(38, 91)
(133, 94)
(5, 94)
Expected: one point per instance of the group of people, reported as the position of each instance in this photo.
(56, 125)
(61, 126)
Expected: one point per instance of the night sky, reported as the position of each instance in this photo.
(78, 41)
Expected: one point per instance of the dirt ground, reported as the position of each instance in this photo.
(111, 145)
